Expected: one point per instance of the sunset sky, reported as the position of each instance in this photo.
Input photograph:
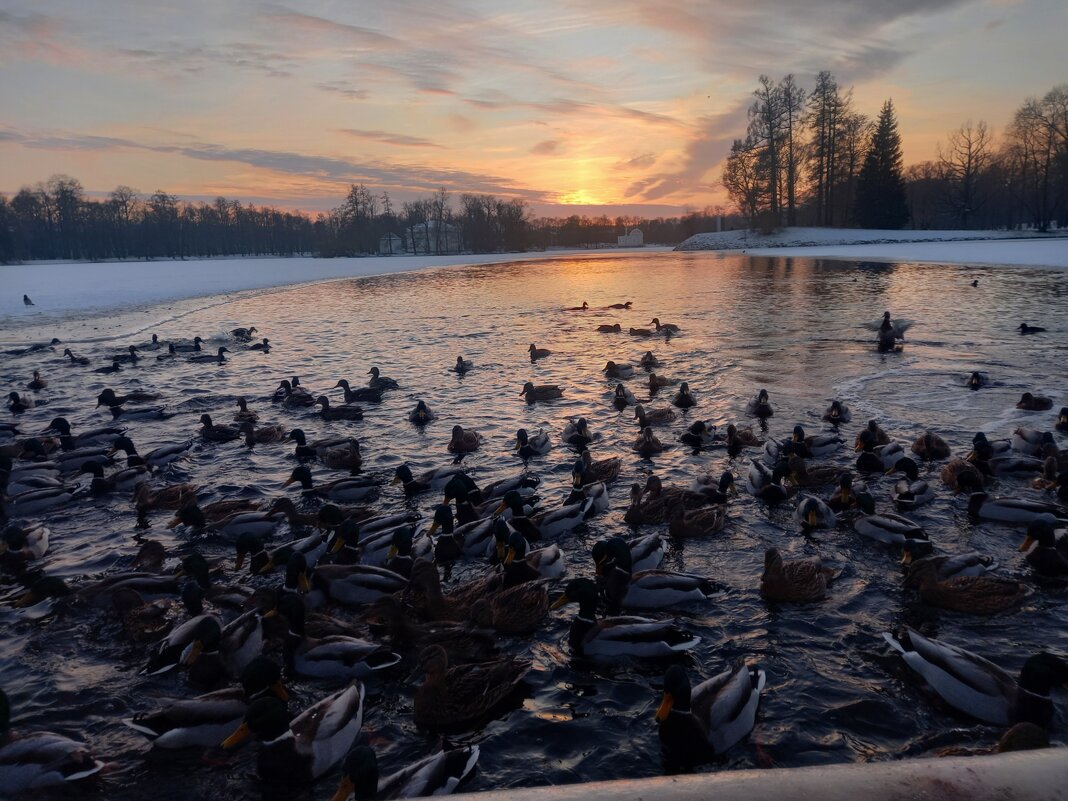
(621, 106)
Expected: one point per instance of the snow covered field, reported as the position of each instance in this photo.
(63, 289)
(1021, 253)
(822, 237)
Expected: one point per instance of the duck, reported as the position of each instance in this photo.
(173, 496)
(547, 562)
(649, 360)
(576, 433)
(689, 524)
(293, 396)
(878, 436)
(960, 475)
(888, 327)
(890, 528)
(156, 458)
(344, 457)
(1014, 511)
(648, 589)
(356, 585)
(1031, 441)
(421, 414)
(793, 581)
(541, 392)
(738, 439)
(379, 381)
(114, 367)
(426, 481)
(306, 451)
(218, 358)
(108, 397)
(142, 413)
(462, 641)
(977, 380)
(815, 445)
(243, 334)
(908, 494)
(837, 413)
(640, 332)
(34, 760)
(524, 483)
(16, 404)
(462, 365)
(684, 399)
(1047, 554)
(844, 497)
(760, 406)
(1034, 403)
(264, 345)
(438, 774)
(333, 657)
(615, 638)
(372, 394)
(973, 595)
(605, 328)
(717, 490)
(613, 370)
(588, 470)
(464, 440)
(528, 447)
(625, 305)
(667, 328)
(27, 542)
(460, 696)
(695, 725)
(474, 540)
(299, 751)
(171, 353)
(653, 417)
(32, 502)
(623, 397)
(1062, 420)
(812, 513)
(338, 412)
(130, 356)
(983, 449)
(75, 359)
(125, 479)
(261, 562)
(647, 443)
(658, 382)
(514, 610)
(929, 446)
(700, 434)
(454, 606)
(342, 490)
(765, 482)
(978, 688)
(538, 353)
(584, 307)
(550, 524)
(1030, 329)
(877, 458)
(919, 553)
(262, 435)
(37, 383)
(231, 525)
(87, 439)
(205, 720)
(804, 476)
(212, 432)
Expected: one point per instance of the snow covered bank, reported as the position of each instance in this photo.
(1020, 253)
(823, 237)
(63, 289)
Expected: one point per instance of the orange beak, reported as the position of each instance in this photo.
(665, 708)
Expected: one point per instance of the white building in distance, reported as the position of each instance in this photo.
(632, 239)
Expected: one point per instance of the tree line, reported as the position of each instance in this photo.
(55, 219)
(809, 157)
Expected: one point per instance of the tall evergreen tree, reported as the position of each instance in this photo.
(880, 200)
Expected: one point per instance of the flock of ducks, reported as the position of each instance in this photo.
(355, 594)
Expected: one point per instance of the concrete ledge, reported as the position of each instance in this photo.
(1026, 776)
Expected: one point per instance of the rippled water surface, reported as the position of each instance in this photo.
(834, 693)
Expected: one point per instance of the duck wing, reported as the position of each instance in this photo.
(726, 704)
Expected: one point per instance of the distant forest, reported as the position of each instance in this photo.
(808, 158)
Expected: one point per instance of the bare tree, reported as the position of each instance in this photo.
(963, 162)
(793, 104)
(742, 179)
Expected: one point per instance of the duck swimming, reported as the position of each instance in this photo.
(667, 328)
(1034, 403)
(538, 353)
(338, 412)
(464, 440)
(360, 394)
(75, 359)
(604, 328)
(684, 399)
(540, 392)
(794, 581)
(760, 406)
(437, 774)
(218, 358)
(613, 370)
(462, 365)
(1030, 329)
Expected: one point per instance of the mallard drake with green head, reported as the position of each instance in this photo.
(978, 688)
(697, 724)
(615, 638)
(299, 751)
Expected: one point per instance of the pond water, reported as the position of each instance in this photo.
(834, 692)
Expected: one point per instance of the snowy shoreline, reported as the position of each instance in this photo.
(67, 291)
